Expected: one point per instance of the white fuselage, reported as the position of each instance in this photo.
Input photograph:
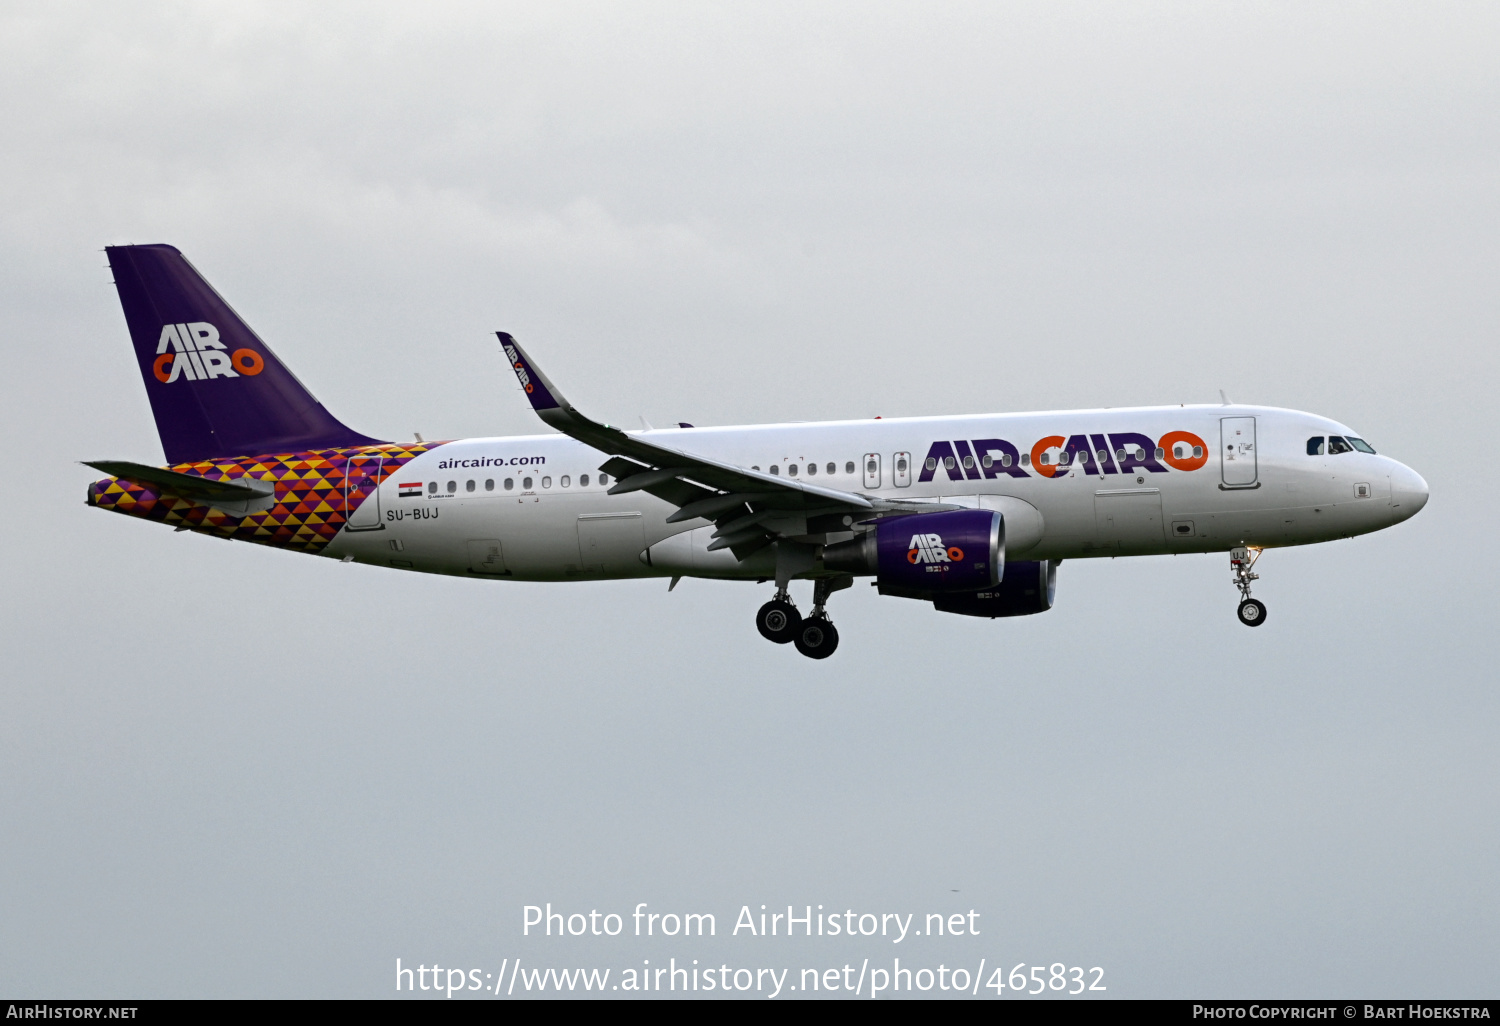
(517, 508)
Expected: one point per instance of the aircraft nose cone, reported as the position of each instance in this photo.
(1408, 493)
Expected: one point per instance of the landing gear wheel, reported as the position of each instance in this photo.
(817, 638)
(778, 621)
(1252, 612)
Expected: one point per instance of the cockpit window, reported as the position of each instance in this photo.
(1337, 445)
(1361, 445)
(1315, 445)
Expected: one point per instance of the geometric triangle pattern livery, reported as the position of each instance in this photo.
(315, 493)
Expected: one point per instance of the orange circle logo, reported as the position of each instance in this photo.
(956, 554)
(162, 367)
(247, 362)
(1188, 462)
(911, 556)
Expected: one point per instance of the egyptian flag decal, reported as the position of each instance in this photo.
(410, 489)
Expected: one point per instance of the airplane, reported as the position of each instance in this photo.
(973, 514)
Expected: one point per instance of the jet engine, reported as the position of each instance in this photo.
(928, 553)
(1029, 587)
(955, 560)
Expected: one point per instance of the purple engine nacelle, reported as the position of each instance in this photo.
(1029, 587)
(959, 551)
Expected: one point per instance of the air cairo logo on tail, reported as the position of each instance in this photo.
(929, 548)
(193, 351)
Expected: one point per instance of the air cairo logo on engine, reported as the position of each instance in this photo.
(929, 548)
(197, 355)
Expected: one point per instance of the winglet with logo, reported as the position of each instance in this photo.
(539, 390)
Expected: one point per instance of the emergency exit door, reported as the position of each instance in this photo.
(362, 493)
(1237, 451)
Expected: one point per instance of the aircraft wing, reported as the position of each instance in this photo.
(750, 508)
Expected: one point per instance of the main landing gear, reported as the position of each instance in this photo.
(778, 620)
(1252, 612)
(815, 636)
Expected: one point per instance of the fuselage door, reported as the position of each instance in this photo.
(872, 470)
(362, 493)
(611, 542)
(1237, 450)
(1129, 519)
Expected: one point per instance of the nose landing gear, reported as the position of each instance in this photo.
(1252, 612)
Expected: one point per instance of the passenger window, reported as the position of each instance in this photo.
(832, 468)
(849, 467)
(546, 482)
(1005, 460)
(469, 486)
(948, 463)
(432, 487)
(1315, 445)
(775, 470)
(757, 469)
(1120, 455)
(1160, 452)
(452, 487)
(526, 483)
(1197, 452)
(604, 479)
(1063, 458)
(583, 480)
(931, 463)
(565, 481)
(1337, 445)
(872, 468)
(489, 484)
(1025, 459)
(791, 470)
(812, 468)
(1361, 445)
(510, 483)
(1046, 459)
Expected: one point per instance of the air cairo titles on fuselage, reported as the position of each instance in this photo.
(1117, 452)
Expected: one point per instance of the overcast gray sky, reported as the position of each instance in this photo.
(233, 771)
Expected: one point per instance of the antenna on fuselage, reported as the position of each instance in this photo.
(1225, 398)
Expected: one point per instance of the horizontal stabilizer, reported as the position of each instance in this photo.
(241, 495)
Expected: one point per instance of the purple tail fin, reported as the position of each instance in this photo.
(216, 389)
